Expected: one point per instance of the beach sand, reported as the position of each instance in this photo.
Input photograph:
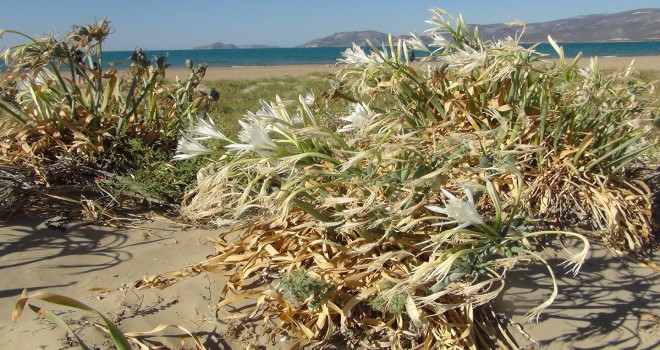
(640, 62)
(610, 304)
(75, 258)
(295, 71)
(257, 72)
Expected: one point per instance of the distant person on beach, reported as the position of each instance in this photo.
(80, 65)
(411, 55)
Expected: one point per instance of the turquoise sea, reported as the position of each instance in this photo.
(329, 55)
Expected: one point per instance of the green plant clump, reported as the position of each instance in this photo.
(396, 304)
(301, 287)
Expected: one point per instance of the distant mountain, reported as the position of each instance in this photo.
(221, 46)
(346, 39)
(636, 25)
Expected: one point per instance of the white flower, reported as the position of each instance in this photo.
(260, 119)
(460, 212)
(188, 147)
(207, 130)
(467, 59)
(269, 115)
(438, 40)
(309, 99)
(274, 112)
(358, 119)
(297, 118)
(356, 56)
(255, 137)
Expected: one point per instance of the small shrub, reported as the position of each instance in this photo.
(299, 287)
(396, 304)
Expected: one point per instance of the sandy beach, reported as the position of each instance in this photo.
(294, 71)
(257, 72)
(640, 62)
(610, 304)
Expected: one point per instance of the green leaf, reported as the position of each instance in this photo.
(13, 111)
(121, 343)
(558, 49)
(492, 193)
(58, 322)
(620, 148)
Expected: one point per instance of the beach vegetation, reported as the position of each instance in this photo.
(239, 96)
(64, 120)
(418, 187)
(299, 287)
(652, 76)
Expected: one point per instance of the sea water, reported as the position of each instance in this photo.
(239, 57)
(329, 55)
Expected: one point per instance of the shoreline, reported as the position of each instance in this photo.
(255, 72)
(301, 70)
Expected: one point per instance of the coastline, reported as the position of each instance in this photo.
(255, 72)
(301, 70)
(612, 62)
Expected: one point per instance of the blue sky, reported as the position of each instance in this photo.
(183, 24)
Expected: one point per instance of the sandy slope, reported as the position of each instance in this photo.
(610, 304)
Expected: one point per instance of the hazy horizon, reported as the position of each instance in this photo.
(169, 25)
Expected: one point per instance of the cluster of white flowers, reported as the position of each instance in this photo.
(467, 60)
(254, 136)
(255, 133)
(309, 99)
(356, 57)
(189, 147)
(206, 129)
